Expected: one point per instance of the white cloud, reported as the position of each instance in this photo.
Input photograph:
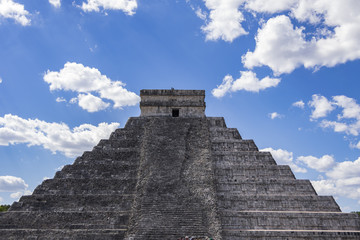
(279, 46)
(201, 14)
(331, 39)
(343, 180)
(14, 10)
(299, 104)
(224, 20)
(269, 6)
(0, 80)
(1, 199)
(73, 100)
(127, 6)
(350, 108)
(56, 137)
(247, 82)
(12, 184)
(274, 115)
(322, 106)
(79, 78)
(91, 103)
(55, 3)
(358, 145)
(320, 164)
(284, 157)
(17, 195)
(347, 122)
(283, 47)
(341, 127)
(223, 88)
(60, 99)
(345, 169)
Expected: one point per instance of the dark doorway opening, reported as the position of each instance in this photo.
(175, 112)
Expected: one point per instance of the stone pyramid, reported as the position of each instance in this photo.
(171, 173)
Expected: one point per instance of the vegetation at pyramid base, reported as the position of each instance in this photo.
(4, 208)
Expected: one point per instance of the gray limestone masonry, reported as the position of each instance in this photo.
(171, 173)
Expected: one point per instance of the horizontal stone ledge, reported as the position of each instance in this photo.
(291, 230)
(171, 92)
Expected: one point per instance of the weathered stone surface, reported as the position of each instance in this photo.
(164, 177)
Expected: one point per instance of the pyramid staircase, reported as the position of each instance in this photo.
(258, 199)
(165, 178)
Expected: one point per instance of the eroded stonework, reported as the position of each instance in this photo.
(164, 177)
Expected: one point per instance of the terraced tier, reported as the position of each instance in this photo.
(258, 199)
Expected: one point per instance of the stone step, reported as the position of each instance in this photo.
(233, 146)
(113, 153)
(123, 157)
(117, 143)
(268, 186)
(249, 171)
(233, 159)
(123, 134)
(170, 234)
(284, 220)
(240, 234)
(69, 186)
(277, 203)
(37, 202)
(224, 134)
(64, 220)
(57, 234)
(99, 170)
(217, 122)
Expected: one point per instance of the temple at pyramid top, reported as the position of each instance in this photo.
(175, 103)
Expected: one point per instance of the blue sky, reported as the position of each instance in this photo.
(284, 73)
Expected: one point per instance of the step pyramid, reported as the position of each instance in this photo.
(171, 173)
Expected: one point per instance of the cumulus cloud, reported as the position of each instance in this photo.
(299, 104)
(0, 80)
(91, 103)
(269, 6)
(350, 108)
(320, 164)
(127, 6)
(14, 10)
(12, 184)
(343, 180)
(326, 32)
(285, 158)
(55, 3)
(248, 81)
(347, 169)
(88, 82)
(56, 137)
(279, 46)
(274, 115)
(224, 20)
(322, 106)
(348, 121)
(283, 47)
